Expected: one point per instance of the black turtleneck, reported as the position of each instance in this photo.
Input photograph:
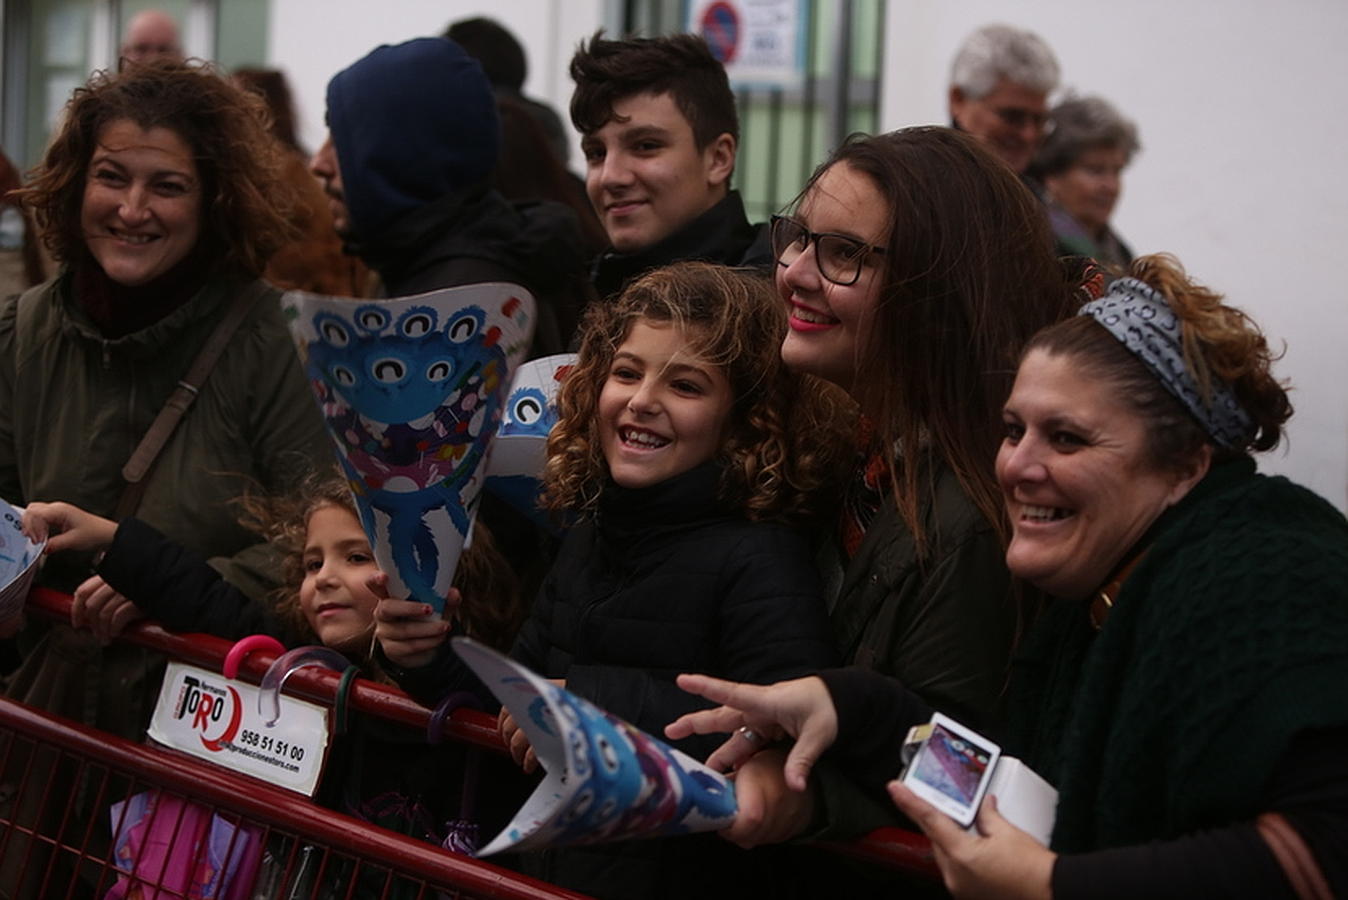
(722, 234)
(630, 516)
(118, 309)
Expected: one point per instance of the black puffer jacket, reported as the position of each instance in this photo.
(666, 581)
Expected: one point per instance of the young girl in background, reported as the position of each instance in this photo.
(684, 452)
(326, 563)
(379, 773)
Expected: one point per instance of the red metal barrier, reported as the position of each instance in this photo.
(890, 848)
(344, 856)
(310, 683)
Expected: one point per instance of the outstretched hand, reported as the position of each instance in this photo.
(800, 709)
(65, 526)
(999, 861)
(409, 631)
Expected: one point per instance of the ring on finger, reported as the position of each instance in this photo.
(753, 737)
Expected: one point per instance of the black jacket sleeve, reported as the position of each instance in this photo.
(445, 674)
(1309, 787)
(874, 715)
(176, 586)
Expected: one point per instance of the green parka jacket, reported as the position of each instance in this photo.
(943, 626)
(73, 406)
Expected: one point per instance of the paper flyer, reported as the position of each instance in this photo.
(515, 460)
(412, 389)
(605, 780)
(18, 561)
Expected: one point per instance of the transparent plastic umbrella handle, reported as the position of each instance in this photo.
(269, 697)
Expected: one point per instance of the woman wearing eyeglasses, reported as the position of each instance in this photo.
(914, 268)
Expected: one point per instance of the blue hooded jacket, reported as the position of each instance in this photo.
(411, 123)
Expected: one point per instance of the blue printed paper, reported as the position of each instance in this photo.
(515, 463)
(411, 390)
(606, 780)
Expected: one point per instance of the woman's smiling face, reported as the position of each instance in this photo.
(141, 212)
(1079, 483)
(827, 321)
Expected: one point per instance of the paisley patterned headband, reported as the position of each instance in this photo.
(1142, 320)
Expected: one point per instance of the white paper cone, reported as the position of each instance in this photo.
(517, 455)
(606, 780)
(411, 390)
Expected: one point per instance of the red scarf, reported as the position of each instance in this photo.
(866, 491)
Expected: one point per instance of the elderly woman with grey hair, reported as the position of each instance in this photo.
(999, 85)
(1080, 167)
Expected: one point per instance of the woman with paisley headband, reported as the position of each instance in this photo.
(1184, 690)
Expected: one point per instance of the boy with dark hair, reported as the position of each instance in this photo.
(660, 133)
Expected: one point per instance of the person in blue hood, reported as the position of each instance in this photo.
(412, 144)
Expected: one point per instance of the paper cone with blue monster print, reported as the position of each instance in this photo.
(412, 389)
(515, 461)
(606, 780)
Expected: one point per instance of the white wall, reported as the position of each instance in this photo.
(314, 39)
(1242, 173)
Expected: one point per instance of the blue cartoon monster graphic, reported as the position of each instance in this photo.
(629, 784)
(412, 402)
(528, 413)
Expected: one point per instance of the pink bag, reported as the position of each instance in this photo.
(182, 848)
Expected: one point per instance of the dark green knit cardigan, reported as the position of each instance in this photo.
(1229, 637)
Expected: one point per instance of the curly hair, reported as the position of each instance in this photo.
(492, 608)
(785, 433)
(969, 275)
(274, 89)
(1220, 342)
(245, 199)
(606, 71)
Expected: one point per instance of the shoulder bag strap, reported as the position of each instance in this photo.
(1295, 858)
(144, 456)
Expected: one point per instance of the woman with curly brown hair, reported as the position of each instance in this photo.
(682, 454)
(160, 198)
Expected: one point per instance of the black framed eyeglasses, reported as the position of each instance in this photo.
(838, 256)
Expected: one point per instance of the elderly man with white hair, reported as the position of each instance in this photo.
(999, 86)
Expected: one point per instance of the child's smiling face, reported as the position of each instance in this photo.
(662, 409)
(333, 596)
